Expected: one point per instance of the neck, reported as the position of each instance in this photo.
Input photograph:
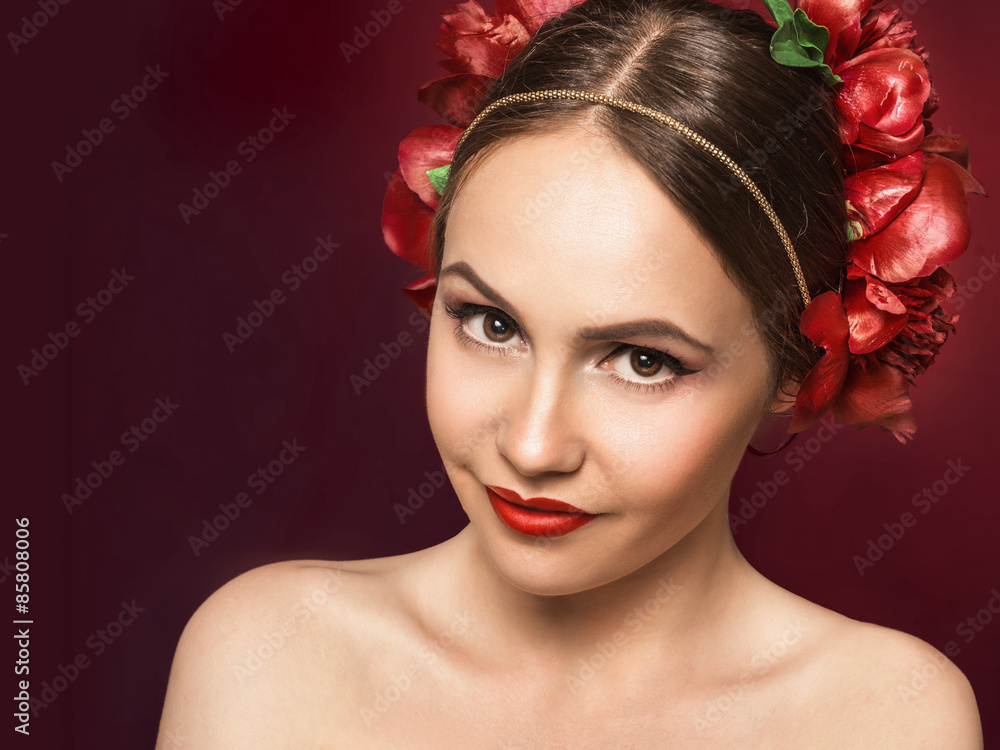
(691, 594)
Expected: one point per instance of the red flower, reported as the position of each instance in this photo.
(885, 28)
(479, 47)
(886, 92)
(861, 390)
(876, 196)
(842, 18)
(927, 325)
(410, 198)
(878, 338)
(881, 101)
(825, 322)
(926, 228)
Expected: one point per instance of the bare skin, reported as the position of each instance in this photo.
(386, 654)
(644, 628)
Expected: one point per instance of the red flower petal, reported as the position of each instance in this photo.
(927, 327)
(876, 196)
(882, 297)
(406, 223)
(890, 146)
(876, 394)
(427, 147)
(884, 89)
(931, 231)
(875, 314)
(488, 48)
(885, 28)
(843, 19)
(824, 322)
(456, 98)
(421, 292)
(465, 18)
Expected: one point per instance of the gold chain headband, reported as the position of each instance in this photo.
(680, 128)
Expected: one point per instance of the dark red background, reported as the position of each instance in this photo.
(325, 176)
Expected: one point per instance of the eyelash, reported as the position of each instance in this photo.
(467, 310)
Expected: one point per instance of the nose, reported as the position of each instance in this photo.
(540, 432)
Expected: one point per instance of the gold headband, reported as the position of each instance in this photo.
(683, 130)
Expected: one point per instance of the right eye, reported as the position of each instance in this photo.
(483, 327)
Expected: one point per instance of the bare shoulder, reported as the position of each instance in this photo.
(862, 685)
(921, 697)
(245, 655)
(892, 690)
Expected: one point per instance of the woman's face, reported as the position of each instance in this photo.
(586, 346)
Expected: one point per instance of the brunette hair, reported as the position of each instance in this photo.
(710, 68)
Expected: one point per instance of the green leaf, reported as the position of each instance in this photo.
(798, 42)
(439, 177)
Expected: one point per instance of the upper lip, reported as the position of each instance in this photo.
(536, 503)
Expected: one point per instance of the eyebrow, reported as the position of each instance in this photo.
(648, 327)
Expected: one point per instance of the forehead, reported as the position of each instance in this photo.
(567, 218)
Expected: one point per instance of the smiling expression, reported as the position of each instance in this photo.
(586, 346)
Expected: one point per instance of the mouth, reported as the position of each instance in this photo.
(536, 516)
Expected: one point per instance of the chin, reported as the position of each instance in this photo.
(561, 566)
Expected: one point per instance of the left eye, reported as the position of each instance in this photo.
(632, 361)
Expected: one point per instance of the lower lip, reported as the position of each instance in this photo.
(530, 522)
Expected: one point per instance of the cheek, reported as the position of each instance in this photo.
(684, 445)
(459, 409)
(667, 448)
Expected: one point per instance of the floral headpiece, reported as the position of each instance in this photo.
(906, 190)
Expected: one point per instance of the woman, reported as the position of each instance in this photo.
(614, 314)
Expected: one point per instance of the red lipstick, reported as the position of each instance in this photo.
(536, 516)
